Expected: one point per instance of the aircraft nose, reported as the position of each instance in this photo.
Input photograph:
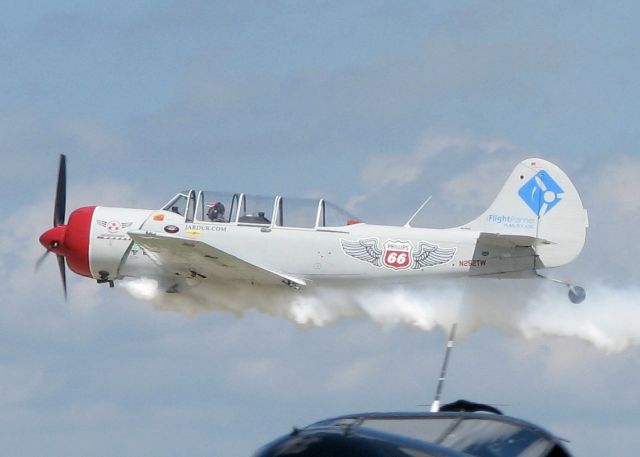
(72, 240)
(53, 239)
(77, 240)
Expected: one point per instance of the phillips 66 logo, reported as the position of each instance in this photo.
(397, 254)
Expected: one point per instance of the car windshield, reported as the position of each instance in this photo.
(482, 436)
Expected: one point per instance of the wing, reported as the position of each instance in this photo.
(429, 254)
(185, 258)
(366, 250)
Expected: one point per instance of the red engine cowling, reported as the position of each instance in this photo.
(72, 240)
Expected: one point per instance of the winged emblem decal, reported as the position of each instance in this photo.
(397, 254)
(113, 226)
(429, 254)
(366, 250)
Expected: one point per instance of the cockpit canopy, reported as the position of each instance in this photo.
(246, 209)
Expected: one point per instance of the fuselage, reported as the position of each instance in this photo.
(314, 254)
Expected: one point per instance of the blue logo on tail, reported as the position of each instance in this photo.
(541, 193)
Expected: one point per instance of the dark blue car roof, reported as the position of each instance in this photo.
(417, 434)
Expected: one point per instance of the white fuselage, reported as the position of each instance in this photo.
(314, 255)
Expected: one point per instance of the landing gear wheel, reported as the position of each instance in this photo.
(577, 294)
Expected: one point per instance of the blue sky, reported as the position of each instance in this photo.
(375, 105)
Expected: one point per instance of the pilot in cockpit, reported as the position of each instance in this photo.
(216, 212)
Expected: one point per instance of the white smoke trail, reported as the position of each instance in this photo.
(608, 319)
(142, 289)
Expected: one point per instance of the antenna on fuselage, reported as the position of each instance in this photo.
(435, 406)
(408, 224)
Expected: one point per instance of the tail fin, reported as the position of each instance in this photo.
(539, 201)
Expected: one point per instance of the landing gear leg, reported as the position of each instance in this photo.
(104, 278)
(576, 293)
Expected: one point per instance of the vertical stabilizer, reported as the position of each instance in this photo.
(539, 200)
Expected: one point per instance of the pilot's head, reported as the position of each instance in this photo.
(216, 211)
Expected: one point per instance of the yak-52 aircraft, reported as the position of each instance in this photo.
(537, 221)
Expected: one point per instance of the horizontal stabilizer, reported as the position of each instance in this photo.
(510, 241)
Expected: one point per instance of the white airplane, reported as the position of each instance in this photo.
(537, 221)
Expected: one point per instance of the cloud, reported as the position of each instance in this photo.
(462, 173)
(397, 170)
(614, 186)
(388, 170)
(609, 192)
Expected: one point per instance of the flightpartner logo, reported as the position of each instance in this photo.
(541, 193)
(513, 222)
(504, 219)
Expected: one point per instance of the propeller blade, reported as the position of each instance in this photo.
(61, 267)
(41, 259)
(61, 193)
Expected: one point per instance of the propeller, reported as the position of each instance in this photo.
(63, 275)
(41, 259)
(58, 221)
(61, 193)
